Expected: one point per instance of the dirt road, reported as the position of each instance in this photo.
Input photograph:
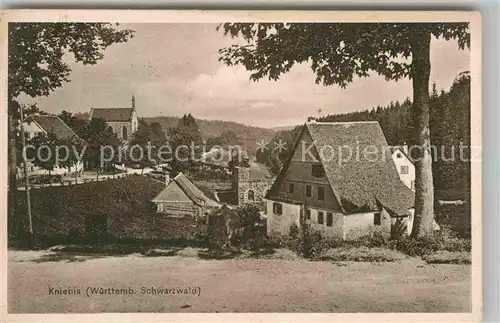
(175, 284)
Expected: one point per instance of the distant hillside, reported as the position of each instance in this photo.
(283, 128)
(247, 135)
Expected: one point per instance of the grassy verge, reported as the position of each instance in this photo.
(448, 257)
(363, 254)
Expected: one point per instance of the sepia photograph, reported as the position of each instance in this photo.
(239, 162)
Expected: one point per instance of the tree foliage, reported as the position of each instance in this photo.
(336, 52)
(37, 66)
(98, 135)
(186, 141)
(36, 51)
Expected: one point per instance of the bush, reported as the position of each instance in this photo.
(236, 229)
(448, 257)
(445, 240)
(361, 254)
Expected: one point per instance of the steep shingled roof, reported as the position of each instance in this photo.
(360, 181)
(112, 114)
(191, 191)
(54, 124)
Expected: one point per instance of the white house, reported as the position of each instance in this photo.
(404, 165)
(44, 124)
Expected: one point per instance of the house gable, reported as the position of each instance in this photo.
(297, 172)
(398, 153)
(50, 124)
(171, 193)
(405, 167)
(357, 183)
(32, 128)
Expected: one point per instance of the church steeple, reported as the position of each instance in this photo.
(133, 102)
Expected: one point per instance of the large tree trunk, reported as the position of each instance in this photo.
(424, 189)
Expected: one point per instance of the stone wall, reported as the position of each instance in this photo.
(249, 190)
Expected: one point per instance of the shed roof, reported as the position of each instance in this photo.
(168, 194)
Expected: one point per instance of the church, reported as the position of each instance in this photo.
(123, 121)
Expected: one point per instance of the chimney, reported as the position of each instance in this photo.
(405, 148)
(167, 178)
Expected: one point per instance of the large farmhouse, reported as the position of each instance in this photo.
(123, 121)
(342, 179)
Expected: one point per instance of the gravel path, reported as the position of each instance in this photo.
(250, 285)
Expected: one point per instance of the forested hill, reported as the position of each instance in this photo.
(449, 116)
(248, 136)
(449, 126)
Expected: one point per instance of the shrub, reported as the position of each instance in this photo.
(361, 254)
(448, 257)
(239, 228)
(415, 247)
(445, 240)
(251, 228)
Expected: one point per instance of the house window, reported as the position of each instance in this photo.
(308, 214)
(277, 208)
(329, 219)
(320, 217)
(250, 195)
(376, 219)
(124, 133)
(308, 191)
(398, 155)
(318, 171)
(291, 188)
(404, 169)
(321, 193)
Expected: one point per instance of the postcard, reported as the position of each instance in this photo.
(241, 165)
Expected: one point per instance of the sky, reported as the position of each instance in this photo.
(173, 69)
